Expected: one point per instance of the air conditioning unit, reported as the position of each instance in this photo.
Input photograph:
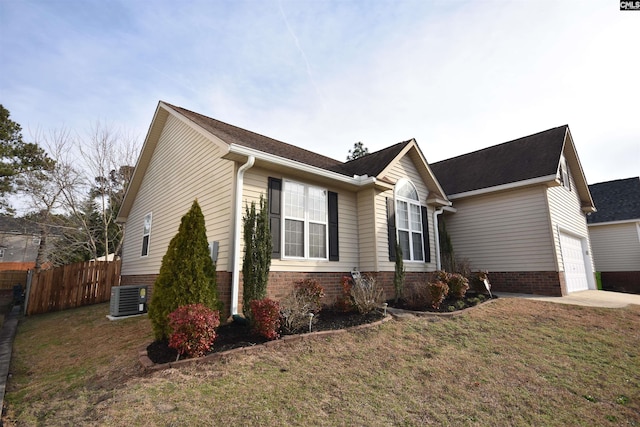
(128, 300)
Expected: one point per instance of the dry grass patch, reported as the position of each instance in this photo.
(512, 362)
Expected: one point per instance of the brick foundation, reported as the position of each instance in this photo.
(621, 281)
(549, 283)
(281, 283)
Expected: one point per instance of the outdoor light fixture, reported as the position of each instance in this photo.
(310, 320)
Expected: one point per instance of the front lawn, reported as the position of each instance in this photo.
(511, 362)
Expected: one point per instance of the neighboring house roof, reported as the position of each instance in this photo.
(523, 161)
(617, 200)
(238, 144)
(18, 226)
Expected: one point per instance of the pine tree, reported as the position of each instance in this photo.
(187, 274)
(257, 255)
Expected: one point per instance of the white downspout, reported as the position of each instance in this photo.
(235, 274)
(435, 226)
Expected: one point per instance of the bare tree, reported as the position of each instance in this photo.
(45, 188)
(108, 156)
(82, 193)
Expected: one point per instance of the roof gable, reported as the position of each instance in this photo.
(239, 144)
(617, 200)
(522, 159)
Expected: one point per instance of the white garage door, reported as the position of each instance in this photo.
(574, 271)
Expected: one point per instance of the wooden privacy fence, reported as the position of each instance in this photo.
(71, 286)
(10, 278)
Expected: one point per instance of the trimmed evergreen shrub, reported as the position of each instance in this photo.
(257, 255)
(187, 274)
(398, 275)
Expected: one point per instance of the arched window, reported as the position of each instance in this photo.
(409, 221)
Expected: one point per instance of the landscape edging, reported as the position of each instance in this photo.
(395, 312)
(148, 364)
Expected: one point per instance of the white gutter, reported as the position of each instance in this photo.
(235, 274)
(356, 180)
(437, 237)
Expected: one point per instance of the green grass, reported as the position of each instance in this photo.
(511, 362)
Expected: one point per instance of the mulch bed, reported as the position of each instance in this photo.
(449, 305)
(234, 334)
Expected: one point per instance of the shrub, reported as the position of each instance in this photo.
(303, 299)
(437, 292)
(265, 315)
(193, 329)
(458, 285)
(257, 255)
(367, 294)
(187, 273)
(344, 302)
(416, 295)
(399, 273)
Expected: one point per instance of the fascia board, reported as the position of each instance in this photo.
(357, 181)
(624, 221)
(549, 179)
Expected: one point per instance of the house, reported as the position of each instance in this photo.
(327, 217)
(19, 243)
(520, 213)
(615, 234)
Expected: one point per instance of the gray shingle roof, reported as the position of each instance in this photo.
(524, 158)
(370, 165)
(617, 200)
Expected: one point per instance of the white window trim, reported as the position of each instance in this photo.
(148, 234)
(401, 182)
(306, 222)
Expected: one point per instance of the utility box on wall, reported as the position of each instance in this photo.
(128, 300)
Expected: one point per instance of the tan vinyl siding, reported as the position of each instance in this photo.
(404, 168)
(566, 216)
(256, 183)
(184, 166)
(507, 231)
(367, 232)
(616, 247)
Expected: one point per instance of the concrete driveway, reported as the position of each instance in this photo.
(587, 298)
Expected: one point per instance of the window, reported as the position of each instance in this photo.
(305, 221)
(409, 221)
(1, 253)
(146, 232)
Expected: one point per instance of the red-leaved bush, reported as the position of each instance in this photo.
(344, 302)
(266, 318)
(438, 292)
(193, 329)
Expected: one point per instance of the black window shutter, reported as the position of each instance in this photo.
(275, 207)
(334, 252)
(425, 234)
(391, 228)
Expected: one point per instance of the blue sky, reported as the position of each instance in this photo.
(456, 75)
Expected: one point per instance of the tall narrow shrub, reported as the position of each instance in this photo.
(187, 274)
(447, 256)
(398, 275)
(257, 255)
